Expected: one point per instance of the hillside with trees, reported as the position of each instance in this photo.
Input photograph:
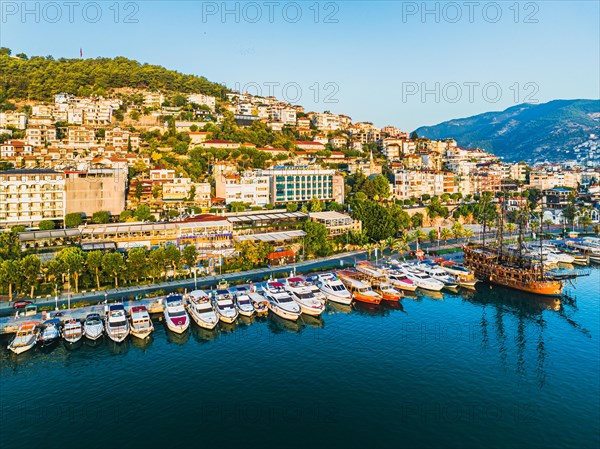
(39, 77)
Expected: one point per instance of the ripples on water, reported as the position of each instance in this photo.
(491, 367)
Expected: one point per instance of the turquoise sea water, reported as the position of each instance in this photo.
(491, 368)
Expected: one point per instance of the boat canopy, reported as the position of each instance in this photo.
(116, 307)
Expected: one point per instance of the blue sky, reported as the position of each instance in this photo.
(383, 62)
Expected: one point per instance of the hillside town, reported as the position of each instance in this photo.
(149, 170)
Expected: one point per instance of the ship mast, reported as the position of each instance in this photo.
(540, 237)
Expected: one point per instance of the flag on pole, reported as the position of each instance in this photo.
(80, 52)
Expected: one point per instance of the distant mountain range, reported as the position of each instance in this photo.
(526, 132)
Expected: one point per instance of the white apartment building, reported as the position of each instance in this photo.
(414, 183)
(201, 99)
(80, 137)
(13, 148)
(13, 119)
(326, 122)
(118, 137)
(29, 196)
(249, 188)
(38, 136)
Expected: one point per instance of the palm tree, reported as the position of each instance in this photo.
(468, 233)
(400, 246)
(419, 236)
(585, 221)
(510, 227)
(445, 234)
(548, 223)
(382, 246)
(457, 230)
(369, 248)
(390, 243)
(596, 229)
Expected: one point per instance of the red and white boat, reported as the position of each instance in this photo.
(401, 281)
(141, 323)
(176, 317)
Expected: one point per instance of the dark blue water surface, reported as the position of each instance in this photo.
(491, 368)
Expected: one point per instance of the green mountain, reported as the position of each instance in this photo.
(39, 78)
(526, 132)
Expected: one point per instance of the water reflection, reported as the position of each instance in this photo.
(278, 325)
(202, 335)
(142, 343)
(178, 339)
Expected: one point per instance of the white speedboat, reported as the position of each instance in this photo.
(333, 288)
(201, 309)
(141, 323)
(311, 283)
(25, 338)
(72, 331)
(303, 295)
(439, 274)
(421, 279)
(243, 302)
(93, 326)
(280, 301)
(116, 324)
(50, 332)
(175, 315)
(225, 307)
(399, 280)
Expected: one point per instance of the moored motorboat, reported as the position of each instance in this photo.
(176, 317)
(72, 331)
(25, 337)
(50, 332)
(361, 291)
(93, 327)
(401, 281)
(421, 279)
(333, 288)
(243, 302)
(141, 323)
(225, 307)
(116, 324)
(304, 296)
(201, 309)
(260, 303)
(387, 291)
(280, 301)
(439, 274)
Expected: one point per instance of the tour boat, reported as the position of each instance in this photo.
(303, 295)
(260, 303)
(280, 301)
(225, 307)
(333, 288)
(141, 323)
(201, 309)
(25, 338)
(243, 302)
(401, 281)
(370, 270)
(361, 291)
(93, 327)
(387, 292)
(116, 324)
(421, 279)
(72, 331)
(50, 333)
(175, 315)
(439, 274)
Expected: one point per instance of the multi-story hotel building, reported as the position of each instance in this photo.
(302, 183)
(31, 195)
